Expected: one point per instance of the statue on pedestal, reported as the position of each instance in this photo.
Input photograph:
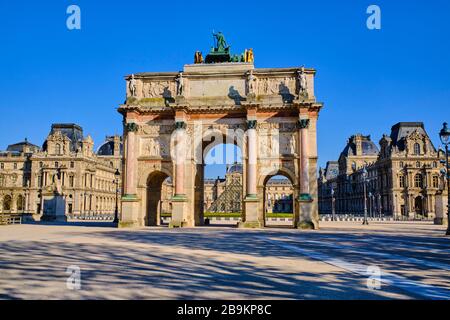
(249, 55)
(57, 182)
(302, 83)
(220, 42)
(180, 84)
(251, 79)
(55, 205)
(198, 57)
(133, 86)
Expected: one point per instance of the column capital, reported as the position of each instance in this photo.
(131, 127)
(305, 197)
(251, 124)
(303, 124)
(180, 125)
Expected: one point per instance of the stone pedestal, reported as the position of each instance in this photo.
(441, 217)
(252, 219)
(441, 221)
(130, 212)
(306, 215)
(55, 209)
(180, 217)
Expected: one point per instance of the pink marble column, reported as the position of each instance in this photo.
(304, 159)
(180, 158)
(252, 159)
(131, 167)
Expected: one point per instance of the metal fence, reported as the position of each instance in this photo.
(6, 219)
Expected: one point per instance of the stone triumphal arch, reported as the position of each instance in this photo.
(172, 118)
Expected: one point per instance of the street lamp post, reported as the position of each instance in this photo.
(379, 204)
(364, 175)
(333, 207)
(444, 134)
(116, 211)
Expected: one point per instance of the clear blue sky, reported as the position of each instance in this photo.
(368, 80)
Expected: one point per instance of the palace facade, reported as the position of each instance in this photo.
(404, 178)
(27, 173)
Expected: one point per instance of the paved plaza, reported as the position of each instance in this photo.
(336, 262)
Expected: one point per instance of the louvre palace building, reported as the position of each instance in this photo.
(404, 176)
(87, 177)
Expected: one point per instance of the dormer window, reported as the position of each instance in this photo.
(58, 149)
(417, 149)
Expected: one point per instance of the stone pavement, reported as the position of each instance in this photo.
(226, 263)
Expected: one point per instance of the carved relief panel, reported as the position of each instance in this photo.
(155, 146)
(159, 89)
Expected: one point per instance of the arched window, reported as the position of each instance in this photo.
(418, 183)
(7, 203)
(20, 203)
(417, 149)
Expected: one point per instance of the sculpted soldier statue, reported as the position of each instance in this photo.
(133, 86)
(180, 84)
(302, 82)
(250, 82)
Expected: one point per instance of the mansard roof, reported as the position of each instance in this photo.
(71, 130)
(402, 130)
(20, 147)
(331, 170)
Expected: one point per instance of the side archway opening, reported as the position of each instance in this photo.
(159, 192)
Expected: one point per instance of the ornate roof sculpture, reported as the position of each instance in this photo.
(221, 52)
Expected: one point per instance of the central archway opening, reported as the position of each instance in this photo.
(278, 201)
(222, 186)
